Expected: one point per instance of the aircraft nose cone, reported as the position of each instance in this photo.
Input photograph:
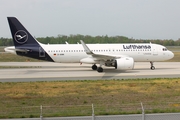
(171, 55)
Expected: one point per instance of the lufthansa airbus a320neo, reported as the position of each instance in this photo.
(119, 56)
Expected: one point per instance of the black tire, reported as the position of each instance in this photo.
(152, 68)
(94, 67)
(100, 69)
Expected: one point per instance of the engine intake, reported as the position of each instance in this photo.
(124, 63)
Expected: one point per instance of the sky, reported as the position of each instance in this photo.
(138, 19)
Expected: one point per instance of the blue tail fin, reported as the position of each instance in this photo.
(25, 44)
(21, 37)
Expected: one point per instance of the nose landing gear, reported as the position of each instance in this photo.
(152, 67)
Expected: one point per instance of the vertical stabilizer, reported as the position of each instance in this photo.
(21, 37)
(25, 44)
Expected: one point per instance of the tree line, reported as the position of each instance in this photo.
(74, 39)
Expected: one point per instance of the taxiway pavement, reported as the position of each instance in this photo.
(47, 71)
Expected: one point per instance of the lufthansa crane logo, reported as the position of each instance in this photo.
(21, 37)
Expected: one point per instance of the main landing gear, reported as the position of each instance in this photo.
(99, 69)
(152, 67)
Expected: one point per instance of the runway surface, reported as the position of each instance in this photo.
(47, 71)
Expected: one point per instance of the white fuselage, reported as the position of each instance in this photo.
(73, 53)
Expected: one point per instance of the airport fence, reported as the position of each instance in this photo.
(136, 111)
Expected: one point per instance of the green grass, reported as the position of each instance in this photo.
(174, 48)
(2, 48)
(176, 57)
(74, 98)
(7, 57)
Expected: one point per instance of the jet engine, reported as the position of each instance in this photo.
(124, 63)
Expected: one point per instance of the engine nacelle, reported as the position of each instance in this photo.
(124, 63)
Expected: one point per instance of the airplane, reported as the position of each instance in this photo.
(119, 56)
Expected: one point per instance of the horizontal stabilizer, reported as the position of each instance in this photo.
(7, 49)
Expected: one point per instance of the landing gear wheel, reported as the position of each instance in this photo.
(100, 69)
(94, 67)
(152, 68)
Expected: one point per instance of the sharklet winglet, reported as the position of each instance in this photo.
(86, 48)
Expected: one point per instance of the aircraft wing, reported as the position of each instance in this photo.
(96, 56)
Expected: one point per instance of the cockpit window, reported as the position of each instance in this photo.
(164, 49)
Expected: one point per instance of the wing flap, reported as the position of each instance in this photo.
(107, 56)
